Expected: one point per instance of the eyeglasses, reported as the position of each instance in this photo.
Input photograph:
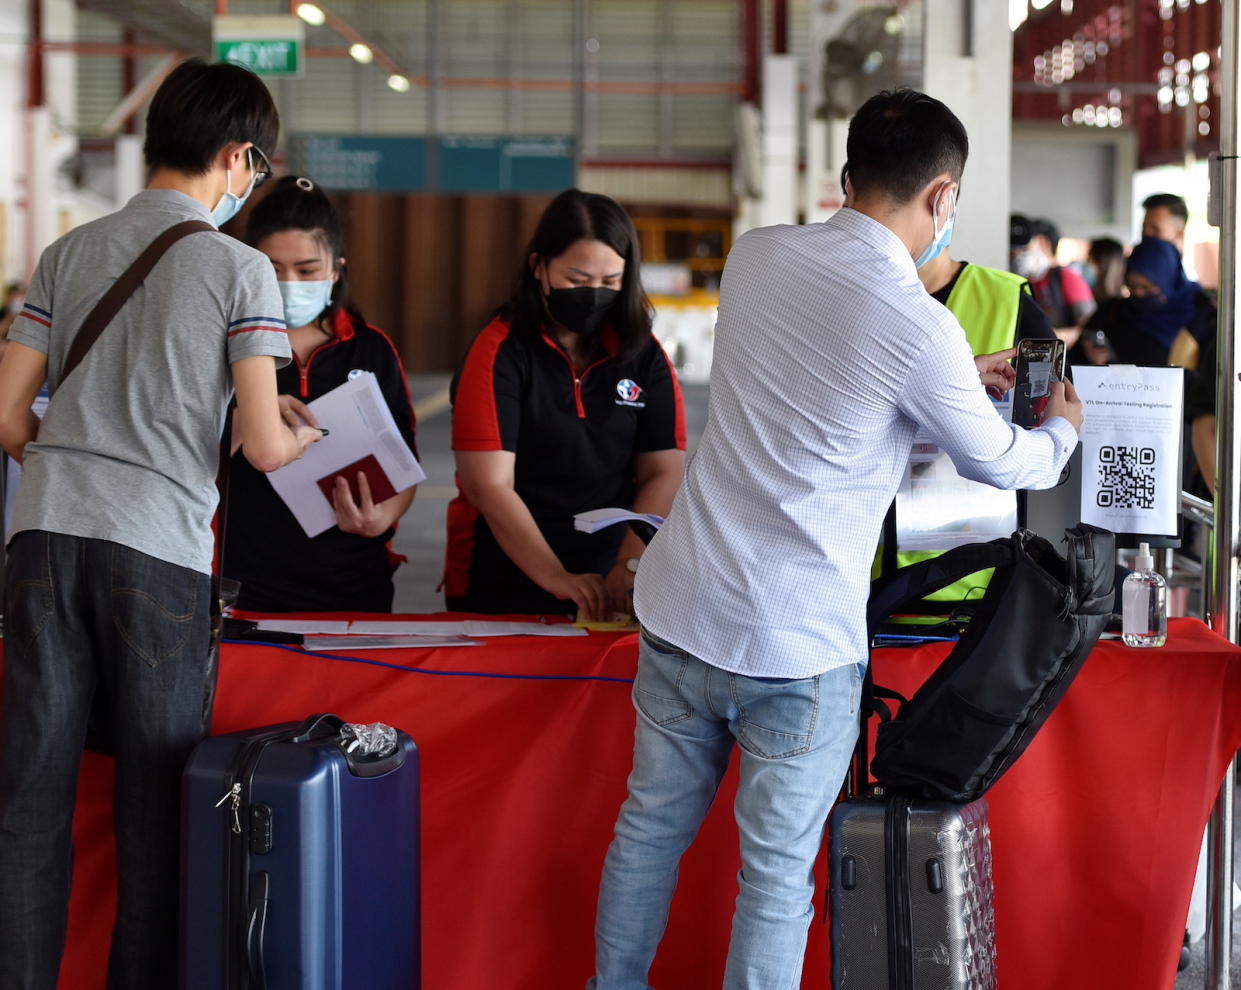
(263, 172)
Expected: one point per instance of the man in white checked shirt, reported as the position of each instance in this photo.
(828, 356)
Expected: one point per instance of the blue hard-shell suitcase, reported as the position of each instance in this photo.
(300, 863)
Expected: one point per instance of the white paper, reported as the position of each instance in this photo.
(937, 509)
(359, 423)
(306, 627)
(332, 643)
(597, 519)
(464, 627)
(403, 628)
(1131, 447)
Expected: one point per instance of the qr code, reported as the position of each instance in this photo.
(1126, 478)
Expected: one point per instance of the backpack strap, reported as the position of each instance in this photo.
(889, 594)
(911, 584)
(119, 292)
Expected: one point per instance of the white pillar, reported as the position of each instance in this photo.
(130, 168)
(779, 143)
(968, 58)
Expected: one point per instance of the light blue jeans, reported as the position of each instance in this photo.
(796, 738)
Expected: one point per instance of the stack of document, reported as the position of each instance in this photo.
(597, 519)
(362, 437)
(369, 634)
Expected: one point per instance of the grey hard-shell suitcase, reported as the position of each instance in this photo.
(911, 895)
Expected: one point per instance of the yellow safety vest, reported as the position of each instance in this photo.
(986, 302)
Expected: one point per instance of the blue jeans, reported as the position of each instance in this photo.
(84, 616)
(796, 738)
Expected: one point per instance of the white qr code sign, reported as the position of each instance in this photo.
(1131, 447)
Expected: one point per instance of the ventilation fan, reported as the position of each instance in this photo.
(862, 59)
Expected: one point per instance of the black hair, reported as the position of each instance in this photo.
(1048, 230)
(1169, 201)
(1108, 256)
(200, 109)
(298, 203)
(899, 141)
(581, 216)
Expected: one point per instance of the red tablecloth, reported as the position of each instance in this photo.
(526, 744)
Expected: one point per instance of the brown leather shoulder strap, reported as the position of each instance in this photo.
(124, 287)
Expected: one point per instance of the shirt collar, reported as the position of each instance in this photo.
(609, 339)
(872, 232)
(342, 324)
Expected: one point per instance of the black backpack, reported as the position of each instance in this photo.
(1032, 630)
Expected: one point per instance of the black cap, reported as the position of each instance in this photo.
(1020, 230)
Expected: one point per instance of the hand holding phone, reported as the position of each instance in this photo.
(1040, 364)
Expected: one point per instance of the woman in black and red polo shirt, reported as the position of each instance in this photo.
(349, 567)
(566, 403)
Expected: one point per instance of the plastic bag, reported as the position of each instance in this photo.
(376, 739)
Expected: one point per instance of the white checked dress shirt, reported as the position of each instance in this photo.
(828, 355)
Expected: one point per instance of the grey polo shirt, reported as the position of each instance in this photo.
(128, 448)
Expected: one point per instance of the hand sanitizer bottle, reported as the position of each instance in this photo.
(1144, 597)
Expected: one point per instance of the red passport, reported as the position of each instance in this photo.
(381, 487)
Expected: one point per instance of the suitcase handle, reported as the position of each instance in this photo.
(309, 729)
(256, 925)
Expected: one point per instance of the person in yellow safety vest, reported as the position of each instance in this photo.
(996, 309)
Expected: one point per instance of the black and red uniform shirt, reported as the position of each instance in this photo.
(281, 569)
(575, 439)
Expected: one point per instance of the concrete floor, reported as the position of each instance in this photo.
(422, 534)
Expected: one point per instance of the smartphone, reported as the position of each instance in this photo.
(1040, 362)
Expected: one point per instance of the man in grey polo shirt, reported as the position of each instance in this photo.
(110, 552)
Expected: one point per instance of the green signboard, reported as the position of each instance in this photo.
(270, 45)
(506, 164)
(264, 57)
(360, 163)
(372, 163)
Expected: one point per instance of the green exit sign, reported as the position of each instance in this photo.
(269, 46)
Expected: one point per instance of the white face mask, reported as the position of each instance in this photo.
(229, 204)
(942, 235)
(1031, 263)
(304, 301)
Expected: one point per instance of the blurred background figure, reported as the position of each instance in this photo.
(1104, 270)
(1165, 218)
(1164, 319)
(10, 305)
(1060, 292)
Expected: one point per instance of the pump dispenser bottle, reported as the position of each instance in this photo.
(1144, 597)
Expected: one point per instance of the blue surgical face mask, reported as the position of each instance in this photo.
(230, 204)
(943, 235)
(304, 301)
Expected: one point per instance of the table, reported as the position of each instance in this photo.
(526, 743)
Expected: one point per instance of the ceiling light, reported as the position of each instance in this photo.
(361, 53)
(398, 82)
(311, 14)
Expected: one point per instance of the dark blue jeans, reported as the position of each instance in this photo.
(85, 616)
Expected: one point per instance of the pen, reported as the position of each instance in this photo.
(324, 431)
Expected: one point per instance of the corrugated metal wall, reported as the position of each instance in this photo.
(660, 77)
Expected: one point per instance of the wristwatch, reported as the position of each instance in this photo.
(631, 565)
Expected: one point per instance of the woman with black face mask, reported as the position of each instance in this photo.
(566, 403)
(1163, 319)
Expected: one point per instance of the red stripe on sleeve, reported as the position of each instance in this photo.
(36, 319)
(475, 419)
(676, 397)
